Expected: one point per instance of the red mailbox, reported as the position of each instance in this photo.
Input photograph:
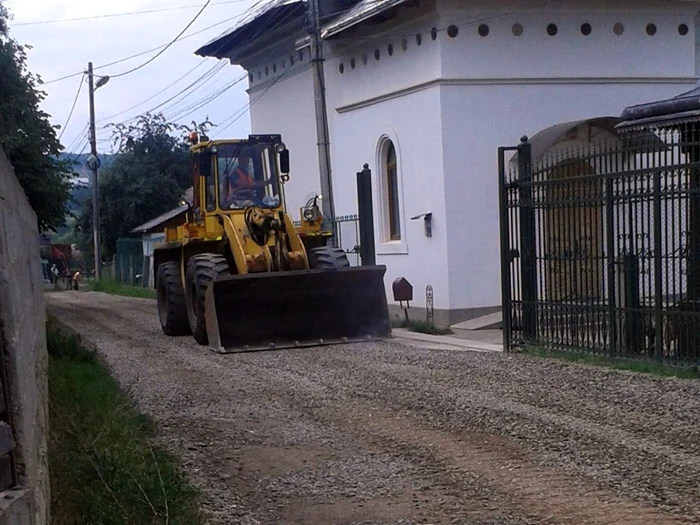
(403, 292)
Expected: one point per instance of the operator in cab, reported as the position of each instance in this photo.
(242, 186)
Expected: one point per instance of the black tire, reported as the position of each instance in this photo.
(201, 270)
(328, 258)
(172, 310)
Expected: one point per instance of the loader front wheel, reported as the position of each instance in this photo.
(328, 258)
(201, 270)
(172, 310)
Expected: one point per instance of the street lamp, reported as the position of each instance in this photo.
(93, 164)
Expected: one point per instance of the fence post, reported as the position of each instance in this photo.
(658, 289)
(506, 291)
(132, 273)
(145, 275)
(528, 241)
(366, 216)
(610, 248)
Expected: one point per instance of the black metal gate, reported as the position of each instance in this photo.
(600, 246)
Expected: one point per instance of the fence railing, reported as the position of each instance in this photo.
(347, 236)
(347, 229)
(601, 247)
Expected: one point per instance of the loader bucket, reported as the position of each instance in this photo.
(276, 310)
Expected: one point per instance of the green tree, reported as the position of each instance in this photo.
(147, 178)
(26, 135)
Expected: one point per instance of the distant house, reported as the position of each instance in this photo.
(153, 231)
(426, 90)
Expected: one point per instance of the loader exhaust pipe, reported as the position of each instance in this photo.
(294, 309)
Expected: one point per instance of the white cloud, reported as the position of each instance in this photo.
(63, 48)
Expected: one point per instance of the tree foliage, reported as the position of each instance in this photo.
(147, 178)
(26, 135)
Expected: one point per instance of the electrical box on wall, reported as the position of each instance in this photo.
(427, 223)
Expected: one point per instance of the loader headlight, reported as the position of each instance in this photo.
(309, 214)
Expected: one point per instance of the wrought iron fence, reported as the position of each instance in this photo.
(347, 231)
(600, 246)
(346, 236)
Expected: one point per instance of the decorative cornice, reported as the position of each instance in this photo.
(512, 82)
(287, 73)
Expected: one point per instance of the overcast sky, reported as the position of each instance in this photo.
(66, 47)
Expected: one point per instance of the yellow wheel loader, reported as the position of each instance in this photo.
(238, 275)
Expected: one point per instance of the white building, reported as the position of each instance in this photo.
(425, 91)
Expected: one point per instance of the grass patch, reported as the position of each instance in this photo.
(644, 367)
(422, 327)
(103, 467)
(117, 288)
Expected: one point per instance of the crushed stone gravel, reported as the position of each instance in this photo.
(387, 434)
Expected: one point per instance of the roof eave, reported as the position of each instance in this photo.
(227, 45)
(149, 226)
(688, 101)
(363, 11)
(345, 22)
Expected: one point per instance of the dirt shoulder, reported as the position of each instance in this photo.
(389, 434)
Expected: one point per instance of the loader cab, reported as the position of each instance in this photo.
(232, 175)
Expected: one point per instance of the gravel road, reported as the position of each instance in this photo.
(384, 433)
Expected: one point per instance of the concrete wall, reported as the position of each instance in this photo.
(22, 316)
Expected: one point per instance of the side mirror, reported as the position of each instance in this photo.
(284, 161)
(205, 163)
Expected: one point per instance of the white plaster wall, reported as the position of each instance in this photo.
(466, 96)
(416, 137)
(404, 68)
(569, 53)
(476, 121)
(285, 105)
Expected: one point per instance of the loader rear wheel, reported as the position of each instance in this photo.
(328, 258)
(201, 270)
(172, 310)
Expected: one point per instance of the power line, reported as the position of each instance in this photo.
(203, 79)
(75, 101)
(128, 13)
(238, 114)
(143, 52)
(206, 76)
(82, 136)
(167, 46)
(185, 112)
(155, 94)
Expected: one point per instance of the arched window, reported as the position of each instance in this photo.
(392, 183)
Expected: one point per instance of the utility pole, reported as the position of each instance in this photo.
(94, 164)
(322, 133)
